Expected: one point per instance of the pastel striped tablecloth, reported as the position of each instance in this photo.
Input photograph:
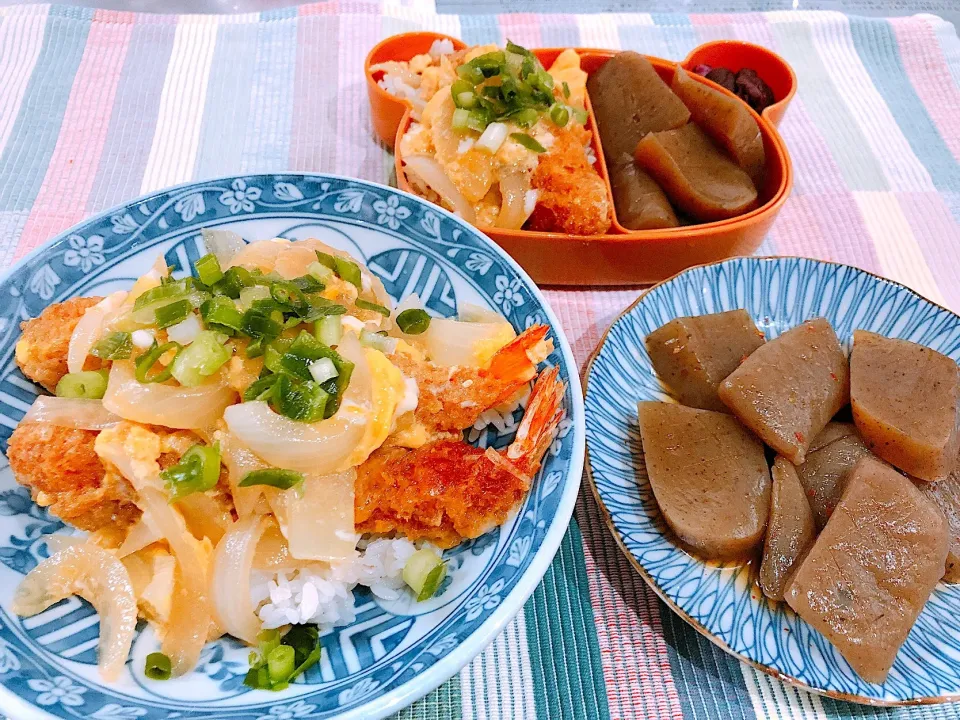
(97, 107)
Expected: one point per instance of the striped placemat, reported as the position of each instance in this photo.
(97, 107)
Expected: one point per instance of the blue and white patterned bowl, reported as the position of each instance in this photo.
(394, 652)
(723, 603)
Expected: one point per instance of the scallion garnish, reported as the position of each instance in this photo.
(261, 389)
(424, 572)
(288, 296)
(327, 260)
(274, 477)
(157, 666)
(219, 313)
(309, 283)
(375, 307)
(258, 324)
(348, 271)
(559, 115)
(329, 330)
(87, 384)
(200, 359)
(115, 346)
(413, 321)
(208, 269)
(566, 89)
(321, 272)
(279, 661)
(321, 307)
(145, 362)
(233, 281)
(175, 312)
(528, 142)
(298, 399)
(197, 471)
(164, 291)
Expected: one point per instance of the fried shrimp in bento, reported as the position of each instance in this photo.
(271, 420)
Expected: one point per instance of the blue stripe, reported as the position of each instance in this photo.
(877, 46)
(35, 131)
(561, 35)
(480, 29)
(671, 37)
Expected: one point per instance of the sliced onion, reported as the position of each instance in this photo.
(240, 460)
(469, 344)
(318, 448)
(261, 254)
(98, 577)
(205, 516)
(78, 413)
(190, 616)
(230, 578)
(379, 291)
(88, 330)
(317, 519)
(468, 312)
(293, 260)
(223, 244)
(168, 405)
(273, 552)
(140, 536)
(431, 172)
(513, 205)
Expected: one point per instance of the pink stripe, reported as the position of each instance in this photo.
(814, 169)
(827, 226)
(313, 145)
(925, 65)
(61, 201)
(521, 28)
(707, 19)
(938, 235)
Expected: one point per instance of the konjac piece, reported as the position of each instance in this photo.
(693, 355)
(709, 476)
(868, 575)
(790, 529)
(697, 177)
(639, 201)
(630, 100)
(905, 403)
(824, 472)
(945, 494)
(789, 388)
(726, 120)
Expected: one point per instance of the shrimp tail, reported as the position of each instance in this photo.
(540, 422)
(516, 362)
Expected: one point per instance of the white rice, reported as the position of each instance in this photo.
(441, 47)
(323, 594)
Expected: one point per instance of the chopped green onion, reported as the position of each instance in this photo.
(413, 321)
(165, 291)
(308, 283)
(348, 270)
(489, 63)
(321, 307)
(145, 362)
(221, 314)
(323, 370)
(233, 281)
(460, 86)
(278, 662)
(87, 384)
(470, 73)
(328, 330)
(528, 142)
(273, 352)
(261, 389)
(327, 260)
(479, 119)
(115, 346)
(274, 477)
(580, 115)
(300, 400)
(257, 324)
(526, 117)
(559, 115)
(424, 572)
(288, 295)
(197, 471)
(461, 119)
(386, 345)
(255, 348)
(157, 666)
(250, 295)
(175, 312)
(200, 359)
(566, 90)
(320, 272)
(208, 269)
(376, 307)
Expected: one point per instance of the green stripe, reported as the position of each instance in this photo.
(442, 704)
(562, 639)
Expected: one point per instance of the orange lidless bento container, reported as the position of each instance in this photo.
(621, 256)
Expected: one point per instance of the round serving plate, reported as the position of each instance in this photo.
(723, 602)
(394, 652)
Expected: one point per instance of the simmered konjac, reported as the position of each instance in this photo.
(868, 511)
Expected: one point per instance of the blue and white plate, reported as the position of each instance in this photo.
(394, 652)
(723, 603)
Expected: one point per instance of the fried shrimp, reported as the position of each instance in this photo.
(452, 399)
(42, 350)
(65, 475)
(447, 490)
(571, 196)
